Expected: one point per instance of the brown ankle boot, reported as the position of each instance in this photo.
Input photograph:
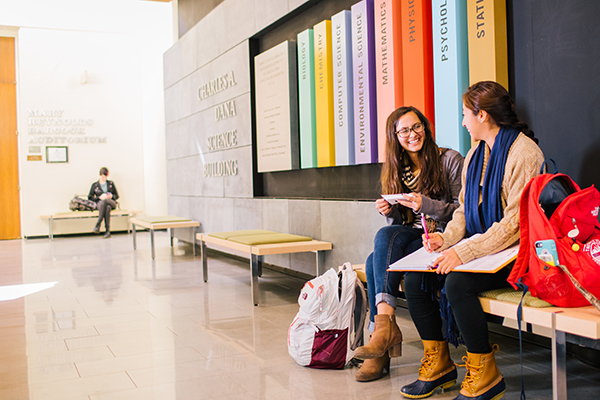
(386, 338)
(437, 371)
(373, 369)
(483, 379)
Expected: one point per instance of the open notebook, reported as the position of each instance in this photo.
(422, 261)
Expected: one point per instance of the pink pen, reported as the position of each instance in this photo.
(425, 229)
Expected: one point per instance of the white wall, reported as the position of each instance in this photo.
(118, 44)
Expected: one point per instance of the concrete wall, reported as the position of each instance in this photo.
(216, 45)
(100, 62)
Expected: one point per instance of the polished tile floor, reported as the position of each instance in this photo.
(118, 326)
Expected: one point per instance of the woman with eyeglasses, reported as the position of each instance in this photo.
(496, 170)
(429, 178)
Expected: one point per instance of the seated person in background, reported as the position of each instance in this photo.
(429, 176)
(104, 193)
(496, 170)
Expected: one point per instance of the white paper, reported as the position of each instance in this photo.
(421, 260)
(393, 198)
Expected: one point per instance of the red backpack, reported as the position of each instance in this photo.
(559, 225)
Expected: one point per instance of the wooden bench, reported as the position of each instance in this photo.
(72, 215)
(579, 321)
(163, 222)
(256, 244)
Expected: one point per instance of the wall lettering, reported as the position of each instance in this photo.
(444, 30)
(222, 140)
(216, 85)
(225, 110)
(221, 168)
(51, 122)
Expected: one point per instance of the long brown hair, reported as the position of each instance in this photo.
(492, 98)
(431, 179)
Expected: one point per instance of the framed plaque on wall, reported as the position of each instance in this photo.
(57, 154)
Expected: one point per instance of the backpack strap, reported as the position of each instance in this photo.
(519, 319)
(544, 167)
(588, 296)
(360, 313)
(522, 262)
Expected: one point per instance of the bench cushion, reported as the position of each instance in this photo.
(163, 219)
(269, 238)
(249, 232)
(514, 296)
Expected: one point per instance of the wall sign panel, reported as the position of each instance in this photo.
(451, 73)
(277, 108)
(341, 28)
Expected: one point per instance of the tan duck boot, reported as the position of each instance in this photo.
(386, 338)
(437, 371)
(373, 369)
(483, 380)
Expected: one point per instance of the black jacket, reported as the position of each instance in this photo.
(96, 191)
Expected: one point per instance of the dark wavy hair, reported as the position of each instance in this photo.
(431, 179)
(492, 98)
(103, 171)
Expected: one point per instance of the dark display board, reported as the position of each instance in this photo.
(554, 56)
(358, 182)
(554, 60)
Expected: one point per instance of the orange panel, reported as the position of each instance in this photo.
(417, 56)
(10, 228)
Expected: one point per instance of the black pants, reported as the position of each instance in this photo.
(104, 208)
(462, 289)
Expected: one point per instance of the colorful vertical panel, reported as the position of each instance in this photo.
(488, 59)
(324, 94)
(417, 56)
(451, 72)
(388, 64)
(306, 100)
(341, 32)
(363, 67)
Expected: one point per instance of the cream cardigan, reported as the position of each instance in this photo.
(524, 161)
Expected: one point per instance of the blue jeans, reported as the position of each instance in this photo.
(392, 242)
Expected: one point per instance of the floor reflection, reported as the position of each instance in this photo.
(118, 325)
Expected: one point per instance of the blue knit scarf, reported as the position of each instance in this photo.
(480, 220)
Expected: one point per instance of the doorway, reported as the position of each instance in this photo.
(10, 223)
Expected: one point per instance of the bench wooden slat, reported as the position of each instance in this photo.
(86, 214)
(168, 224)
(164, 225)
(256, 252)
(268, 249)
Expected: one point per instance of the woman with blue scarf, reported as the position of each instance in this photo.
(496, 170)
(429, 179)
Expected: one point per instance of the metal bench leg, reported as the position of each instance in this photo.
(260, 265)
(254, 279)
(559, 363)
(204, 260)
(194, 240)
(134, 241)
(50, 225)
(171, 235)
(319, 262)
(152, 242)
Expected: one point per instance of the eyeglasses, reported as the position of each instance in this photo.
(405, 132)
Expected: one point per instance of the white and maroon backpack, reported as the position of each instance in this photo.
(329, 325)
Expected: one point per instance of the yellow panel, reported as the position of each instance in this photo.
(488, 59)
(324, 95)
